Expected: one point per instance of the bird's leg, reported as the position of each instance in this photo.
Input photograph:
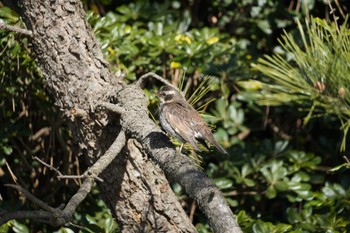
(180, 149)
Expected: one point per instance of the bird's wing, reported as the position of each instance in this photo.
(177, 114)
(202, 130)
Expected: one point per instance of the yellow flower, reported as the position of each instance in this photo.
(175, 65)
(181, 38)
(212, 40)
(111, 51)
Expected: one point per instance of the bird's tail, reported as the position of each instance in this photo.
(212, 140)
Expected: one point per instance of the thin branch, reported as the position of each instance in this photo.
(340, 9)
(74, 177)
(143, 78)
(16, 29)
(332, 12)
(59, 174)
(48, 165)
(108, 156)
(93, 172)
(59, 216)
(31, 197)
(192, 210)
(34, 214)
(41, 132)
(113, 107)
(13, 176)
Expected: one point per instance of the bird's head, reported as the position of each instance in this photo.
(168, 94)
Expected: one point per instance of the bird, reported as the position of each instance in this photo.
(178, 118)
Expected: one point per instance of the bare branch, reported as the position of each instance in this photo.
(48, 165)
(41, 132)
(113, 107)
(16, 29)
(74, 177)
(141, 82)
(59, 216)
(36, 214)
(177, 167)
(340, 9)
(109, 156)
(31, 197)
(59, 174)
(13, 176)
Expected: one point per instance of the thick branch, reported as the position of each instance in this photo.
(177, 167)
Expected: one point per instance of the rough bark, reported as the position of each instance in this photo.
(134, 188)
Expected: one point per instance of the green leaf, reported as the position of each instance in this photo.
(7, 150)
(64, 230)
(19, 227)
(223, 183)
(5, 227)
(281, 185)
(231, 202)
(91, 220)
(280, 146)
(271, 192)
(249, 182)
(293, 216)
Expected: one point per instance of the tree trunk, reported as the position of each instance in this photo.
(134, 187)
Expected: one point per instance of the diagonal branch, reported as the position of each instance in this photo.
(59, 216)
(108, 156)
(177, 167)
(141, 81)
(31, 197)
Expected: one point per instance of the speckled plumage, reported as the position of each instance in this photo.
(182, 121)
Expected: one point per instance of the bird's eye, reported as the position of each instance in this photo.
(168, 97)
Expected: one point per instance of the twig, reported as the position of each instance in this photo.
(192, 210)
(59, 174)
(59, 216)
(31, 197)
(41, 132)
(13, 176)
(113, 107)
(48, 165)
(72, 177)
(340, 9)
(16, 29)
(332, 12)
(346, 159)
(141, 81)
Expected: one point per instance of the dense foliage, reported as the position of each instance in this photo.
(283, 136)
